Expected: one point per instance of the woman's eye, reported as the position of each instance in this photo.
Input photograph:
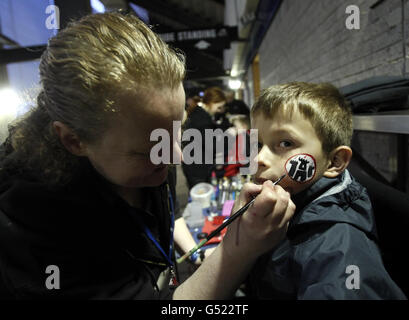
(285, 144)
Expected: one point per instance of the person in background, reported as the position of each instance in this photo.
(191, 103)
(202, 118)
(183, 237)
(237, 155)
(213, 105)
(216, 97)
(235, 106)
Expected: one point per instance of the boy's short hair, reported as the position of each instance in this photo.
(322, 104)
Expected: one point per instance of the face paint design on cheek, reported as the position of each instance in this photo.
(301, 167)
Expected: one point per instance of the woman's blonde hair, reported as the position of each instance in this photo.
(81, 73)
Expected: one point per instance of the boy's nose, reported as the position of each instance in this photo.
(262, 157)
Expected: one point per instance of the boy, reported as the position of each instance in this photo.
(330, 251)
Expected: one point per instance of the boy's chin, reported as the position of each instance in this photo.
(296, 187)
(290, 190)
(293, 187)
(289, 185)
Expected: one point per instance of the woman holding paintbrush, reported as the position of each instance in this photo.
(84, 212)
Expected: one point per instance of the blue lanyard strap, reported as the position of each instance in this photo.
(149, 234)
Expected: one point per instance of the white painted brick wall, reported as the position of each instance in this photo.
(308, 41)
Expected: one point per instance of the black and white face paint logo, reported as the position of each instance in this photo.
(301, 167)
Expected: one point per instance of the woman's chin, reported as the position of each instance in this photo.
(153, 180)
(156, 178)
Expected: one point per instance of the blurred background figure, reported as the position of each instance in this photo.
(214, 102)
(191, 103)
(235, 106)
(209, 114)
(238, 154)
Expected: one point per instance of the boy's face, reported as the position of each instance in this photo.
(282, 137)
(122, 155)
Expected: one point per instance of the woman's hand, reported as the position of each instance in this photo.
(264, 224)
(259, 229)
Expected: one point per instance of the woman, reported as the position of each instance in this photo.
(207, 116)
(191, 103)
(84, 213)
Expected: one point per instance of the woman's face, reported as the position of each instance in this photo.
(216, 107)
(122, 155)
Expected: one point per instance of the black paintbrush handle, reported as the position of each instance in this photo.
(236, 215)
(230, 220)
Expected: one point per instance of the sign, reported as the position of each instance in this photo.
(202, 45)
(202, 39)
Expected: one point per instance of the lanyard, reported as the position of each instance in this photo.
(149, 234)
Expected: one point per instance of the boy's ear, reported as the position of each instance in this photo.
(69, 139)
(338, 161)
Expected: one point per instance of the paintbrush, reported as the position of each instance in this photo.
(222, 226)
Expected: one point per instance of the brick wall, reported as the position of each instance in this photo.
(308, 41)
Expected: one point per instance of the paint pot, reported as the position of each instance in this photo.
(202, 193)
(193, 215)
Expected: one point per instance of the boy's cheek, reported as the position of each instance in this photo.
(301, 172)
(301, 167)
(294, 187)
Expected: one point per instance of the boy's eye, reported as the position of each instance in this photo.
(285, 144)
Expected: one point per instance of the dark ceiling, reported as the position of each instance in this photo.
(204, 67)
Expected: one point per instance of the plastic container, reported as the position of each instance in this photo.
(193, 215)
(202, 193)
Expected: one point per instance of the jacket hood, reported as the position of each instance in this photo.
(338, 200)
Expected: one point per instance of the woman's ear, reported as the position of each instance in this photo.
(69, 139)
(339, 160)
